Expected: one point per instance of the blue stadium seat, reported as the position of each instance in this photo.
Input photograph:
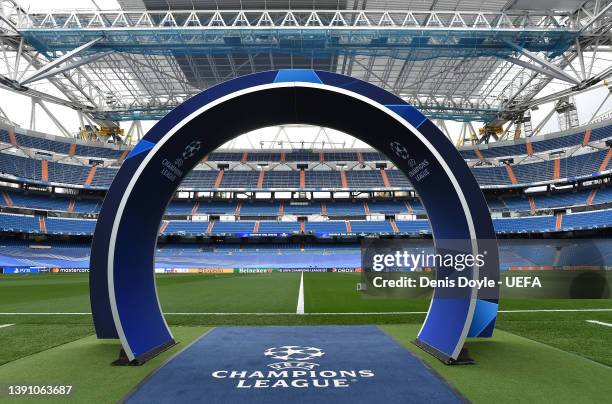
(352, 208)
(327, 227)
(186, 227)
(19, 223)
(587, 220)
(70, 226)
(387, 207)
(216, 208)
(223, 227)
(323, 179)
(259, 208)
(278, 227)
(302, 208)
(371, 227)
(532, 224)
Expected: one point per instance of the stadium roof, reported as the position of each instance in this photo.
(460, 60)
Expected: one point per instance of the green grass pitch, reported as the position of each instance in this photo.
(542, 356)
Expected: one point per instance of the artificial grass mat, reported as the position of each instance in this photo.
(511, 369)
(86, 365)
(21, 340)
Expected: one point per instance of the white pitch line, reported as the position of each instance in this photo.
(551, 310)
(599, 323)
(313, 314)
(43, 314)
(300, 302)
(5, 325)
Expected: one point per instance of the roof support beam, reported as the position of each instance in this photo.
(540, 69)
(544, 121)
(545, 63)
(4, 83)
(590, 84)
(596, 17)
(50, 68)
(69, 66)
(51, 116)
(600, 105)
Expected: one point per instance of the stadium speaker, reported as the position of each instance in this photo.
(609, 142)
(302, 166)
(507, 161)
(381, 165)
(222, 166)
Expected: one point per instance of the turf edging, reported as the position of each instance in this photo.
(86, 365)
(514, 369)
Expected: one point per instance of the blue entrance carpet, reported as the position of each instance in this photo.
(321, 364)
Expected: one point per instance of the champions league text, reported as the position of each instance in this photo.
(293, 378)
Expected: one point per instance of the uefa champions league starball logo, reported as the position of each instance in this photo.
(293, 353)
(191, 149)
(399, 150)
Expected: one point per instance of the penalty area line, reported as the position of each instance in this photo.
(599, 323)
(5, 325)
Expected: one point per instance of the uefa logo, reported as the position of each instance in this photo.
(191, 149)
(294, 353)
(399, 150)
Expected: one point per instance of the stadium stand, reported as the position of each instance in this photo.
(576, 156)
(587, 220)
(579, 166)
(19, 223)
(67, 226)
(531, 224)
(540, 144)
(546, 143)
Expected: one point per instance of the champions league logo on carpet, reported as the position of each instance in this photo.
(296, 369)
(294, 357)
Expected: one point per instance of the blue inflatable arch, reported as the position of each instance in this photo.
(122, 283)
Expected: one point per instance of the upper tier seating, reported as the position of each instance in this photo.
(322, 179)
(495, 150)
(583, 165)
(545, 144)
(49, 144)
(278, 179)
